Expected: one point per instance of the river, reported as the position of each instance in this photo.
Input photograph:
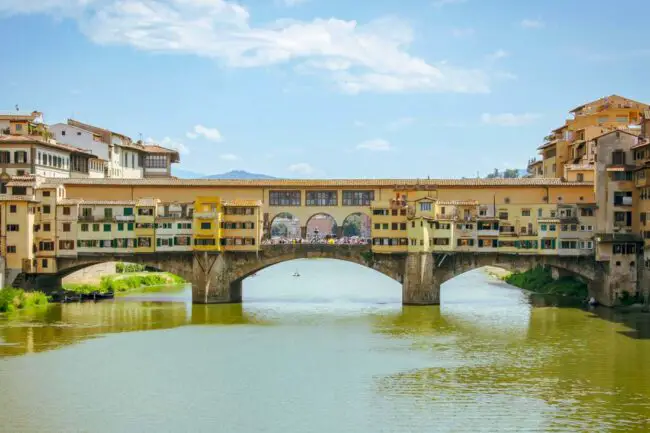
(331, 351)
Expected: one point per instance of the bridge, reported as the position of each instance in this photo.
(218, 277)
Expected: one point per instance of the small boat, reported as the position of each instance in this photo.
(296, 274)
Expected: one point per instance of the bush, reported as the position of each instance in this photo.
(15, 299)
(123, 268)
(539, 280)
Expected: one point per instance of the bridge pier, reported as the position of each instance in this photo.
(211, 282)
(420, 286)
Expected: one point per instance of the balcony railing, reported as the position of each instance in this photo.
(448, 216)
(210, 215)
(86, 218)
(124, 218)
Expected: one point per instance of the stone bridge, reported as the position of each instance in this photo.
(217, 277)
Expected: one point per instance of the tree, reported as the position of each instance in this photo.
(494, 175)
(279, 229)
(511, 173)
(352, 226)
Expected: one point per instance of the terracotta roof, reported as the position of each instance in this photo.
(19, 116)
(154, 148)
(147, 202)
(458, 202)
(616, 130)
(425, 198)
(20, 183)
(603, 99)
(536, 162)
(641, 143)
(352, 183)
(104, 202)
(548, 144)
(249, 203)
(34, 139)
(560, 128)
(7, 197)
(69, 201)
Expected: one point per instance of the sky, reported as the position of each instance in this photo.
(325, 88)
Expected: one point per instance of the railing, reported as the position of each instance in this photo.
(86, 218)
(211, 215)
(124, 218)
(177, 216)
(449, 216)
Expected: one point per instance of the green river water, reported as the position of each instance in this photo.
(331, 351)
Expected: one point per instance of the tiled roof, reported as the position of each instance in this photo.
(249, 203)
(548, 144)
(7, 197)
(69, 201)
(280, 183)
(34, 139)
(20, 183)
(458, 202)
(154, 148)
(19, 116)
(147, 202)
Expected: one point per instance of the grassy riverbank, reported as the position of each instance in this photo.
(125, 282)
(17, 299)
(539, 280)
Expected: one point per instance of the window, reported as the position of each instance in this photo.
(46, 246)
(128, 211)
(66, 227)
(551, 227)
(618, 157)
(86, 212)
(623, 218)
(44, 263)
(107, 227)
(144, 242)
(623, 198)
(5, 157)
(377, 226)
(624, 248)
(580, 177)
(539, 212)
(204, 242)
(568, 245)
(19, 190)
(284, 198)
(525, 212)
(129, 227)
(503, 215)
(145, 211)
(66, 210)
(154, 161)
(13, 228)
(84, 227)
(358, 198)
(108, 212)
(20, 157)
(384, 226)
(402, 226)
(12, 208)
(587, 211)
(46, 208)
(46, 193)
(95, 227)
(321, 198)
(46, 227)
(206, 226)
(425, 206)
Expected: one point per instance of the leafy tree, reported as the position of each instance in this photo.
(279, 229)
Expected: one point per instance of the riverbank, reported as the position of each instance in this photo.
(124, 282)
(540, 281)
(17, 299)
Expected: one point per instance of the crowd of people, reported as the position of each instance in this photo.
(326, 240)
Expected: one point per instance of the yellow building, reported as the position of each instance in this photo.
(145, 225)
(207, 224)
(241, 225)
(389, 225)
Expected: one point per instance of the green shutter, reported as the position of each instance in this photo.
(158, 240)
(107, 227)
(552, 244)
(128, 211)
(120, 227)
(130, 227)
(517, 243)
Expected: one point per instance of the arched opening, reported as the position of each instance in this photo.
(285, 226)
(321, 227)
(106, 279)
(329, 283)
(356, 226)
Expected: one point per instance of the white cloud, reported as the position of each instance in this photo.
(301, 168)
(497, 55)
(462, 32)
(532, 24)
(357, 57)
(509, 119)
(359, 124)
(229, 157)
(441, 3)
(400, 123)
(376, 145)
(211, 134)
(292, 3)
(170, 143)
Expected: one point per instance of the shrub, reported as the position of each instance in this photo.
(539, 280)
(14, 299)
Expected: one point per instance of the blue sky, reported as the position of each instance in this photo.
(324, 88)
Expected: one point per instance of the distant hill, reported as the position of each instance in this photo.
(238, 174)
(186, 174)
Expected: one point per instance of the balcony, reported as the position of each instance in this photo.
(206, 215)
(172, 216)
(86, 218)
(123, 218)
(488, 232)
(447, 217)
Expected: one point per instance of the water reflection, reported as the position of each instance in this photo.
(333, 352)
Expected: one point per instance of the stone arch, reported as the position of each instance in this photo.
(243, 267)
(365, 222)
(449, 266)
(292, 224)
(324, 228)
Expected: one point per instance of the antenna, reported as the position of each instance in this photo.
(17, 109)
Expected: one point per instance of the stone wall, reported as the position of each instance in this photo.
(91, 274)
